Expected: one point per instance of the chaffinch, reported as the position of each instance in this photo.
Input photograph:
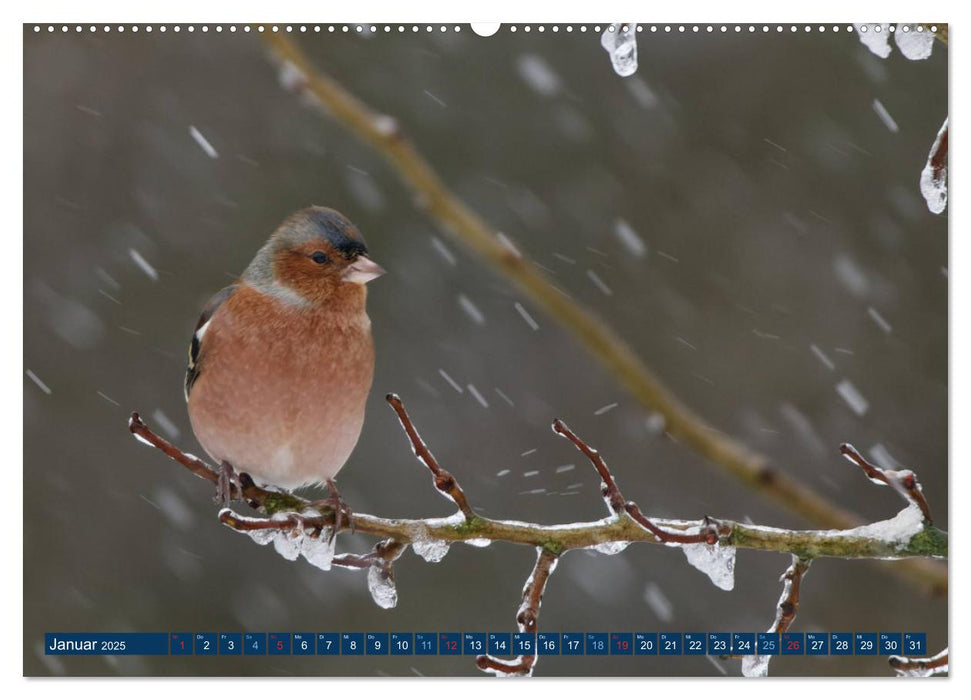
(281, 362)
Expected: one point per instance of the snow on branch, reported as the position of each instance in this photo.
(912, 666)
(298, 527)
(903, 482)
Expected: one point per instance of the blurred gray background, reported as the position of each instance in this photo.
(776, 207)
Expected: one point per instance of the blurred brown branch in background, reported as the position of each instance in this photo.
(297, 526)
(384, 134)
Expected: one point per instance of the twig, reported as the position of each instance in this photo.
(617, 504)
(903, 482)
(444, 481)
(527, 618)
(788, 604)
(293, 519)
(913, 666)
(930, 542)
(785, 613)
(384, 134)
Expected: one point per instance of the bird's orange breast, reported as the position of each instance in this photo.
(281, 389)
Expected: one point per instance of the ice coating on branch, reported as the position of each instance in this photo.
(922, 672)
(289, 544)
(262, 536)
(381, 585)
(877, 42)
(610, 547)
(319, 551)
(622, 47)
(900, 663)
(755, 666)
(716, 561)
(432, 551)
(915, 45)
(933, 178)
(898, 530)
(316, 548)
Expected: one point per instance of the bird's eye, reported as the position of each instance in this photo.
(319, 258)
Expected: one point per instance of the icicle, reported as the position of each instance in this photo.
(622, 47)
(432, 551)
(381, 585)
(933, 178)
(715, 561)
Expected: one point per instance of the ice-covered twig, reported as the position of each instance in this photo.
(846, 544)
(444, 481)
(903, 482)
(527, 618)
(933, 178)
(785, 613)
(299, 527)
(384, 134)
(913, 666)
(618, 504)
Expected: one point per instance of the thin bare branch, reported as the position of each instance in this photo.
(292, 520)
(527, 618)
(788, 604)
(903, 482)
(913, 666)
(617, 504)
(785, 613)
(444, 481)
(930, 542)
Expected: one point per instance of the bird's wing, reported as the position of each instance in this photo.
(195, 345)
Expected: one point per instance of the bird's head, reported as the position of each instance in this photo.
(313, 255)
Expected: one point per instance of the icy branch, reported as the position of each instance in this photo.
(298, 527)
(628, 525)
(527, 618)
(913, 666)
(444, 481)
(903, 482)
(933, 178)
(785, 613)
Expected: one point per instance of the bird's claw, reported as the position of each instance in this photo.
(342, 513)
(224, 486)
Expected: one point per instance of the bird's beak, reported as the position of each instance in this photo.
(362, 271)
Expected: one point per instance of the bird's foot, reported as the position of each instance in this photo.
(224, 486)
(342, 513)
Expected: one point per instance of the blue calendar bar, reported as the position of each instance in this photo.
(613, 643)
